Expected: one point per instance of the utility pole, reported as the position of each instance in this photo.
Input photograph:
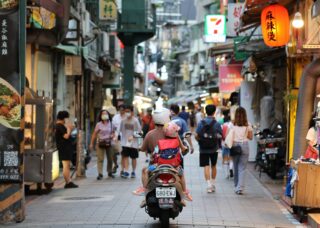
(80, 106)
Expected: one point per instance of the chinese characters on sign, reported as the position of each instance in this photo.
(4, 37)
(107, 10)
(270, 26)
(275, 25)
(229, 78)
(10, 96)
(234, 13)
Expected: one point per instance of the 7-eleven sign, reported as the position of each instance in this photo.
(215, 28)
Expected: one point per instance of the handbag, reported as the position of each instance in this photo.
(235, 150)
(105, 143)
(310, 153)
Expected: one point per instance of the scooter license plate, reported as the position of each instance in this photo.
(271, 151)
(166, 192)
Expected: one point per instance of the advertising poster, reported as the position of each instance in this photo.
(10, 94)
(229, 78)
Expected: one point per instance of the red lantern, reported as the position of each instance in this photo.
(275, 25)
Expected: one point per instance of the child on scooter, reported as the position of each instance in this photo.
(168, 151)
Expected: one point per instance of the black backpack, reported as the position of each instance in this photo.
(208, 136)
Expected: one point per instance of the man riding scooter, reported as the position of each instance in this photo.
(150, 143)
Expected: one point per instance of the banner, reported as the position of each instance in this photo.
(234, 13)
(10, 95)
(229, 78)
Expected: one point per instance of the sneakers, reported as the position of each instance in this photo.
(71, 185)
(209, 189)
(133, 175)
(213, 187)
(139, 191)
(239, 192)
(114, 169)
(125, 175)
(99, 177)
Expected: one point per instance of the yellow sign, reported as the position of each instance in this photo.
(107, 10)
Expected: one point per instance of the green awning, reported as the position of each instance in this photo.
(74, 50)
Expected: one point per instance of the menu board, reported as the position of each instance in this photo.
(10, 94)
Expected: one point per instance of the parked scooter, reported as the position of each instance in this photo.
(270, 156)
(164, 193)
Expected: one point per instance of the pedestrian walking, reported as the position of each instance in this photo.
(103, 135)
(209, 133)
(147, 125)
(116, 121)
(226, 159)
(184, 115)
(64, 145)
(240, 133)
(199, 116)
(129, 143)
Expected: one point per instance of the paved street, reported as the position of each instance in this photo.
(109, 203)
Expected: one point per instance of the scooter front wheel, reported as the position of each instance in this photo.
(164, 218)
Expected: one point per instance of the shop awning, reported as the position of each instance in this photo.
(222, 49)
(70, 49)
(252, 11)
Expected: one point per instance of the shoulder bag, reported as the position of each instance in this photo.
(236, 150)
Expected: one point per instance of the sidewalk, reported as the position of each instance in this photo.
(109, 203)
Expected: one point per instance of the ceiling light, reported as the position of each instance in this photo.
(297, 20)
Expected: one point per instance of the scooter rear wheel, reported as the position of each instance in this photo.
(164, 218)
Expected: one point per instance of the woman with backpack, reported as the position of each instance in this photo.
(104, 135)
(240, 133)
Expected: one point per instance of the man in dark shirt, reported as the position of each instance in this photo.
(184, 115)
(208, 153)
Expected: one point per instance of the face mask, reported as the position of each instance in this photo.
(317, 123)
(104, 117)
(128, 114)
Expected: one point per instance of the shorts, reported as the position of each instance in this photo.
(225, 151)
(130, 152)
(205, 159)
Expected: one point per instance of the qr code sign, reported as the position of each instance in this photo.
(10, 158)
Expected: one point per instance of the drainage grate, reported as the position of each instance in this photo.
(82, 198)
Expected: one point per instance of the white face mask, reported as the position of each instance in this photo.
(128, 114)
(104, 117)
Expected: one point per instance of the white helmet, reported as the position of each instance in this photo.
(161, 116)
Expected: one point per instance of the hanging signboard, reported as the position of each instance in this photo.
(215, 29)
(107, 10)
(234, 13)
(10, 94)
(229, 78)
